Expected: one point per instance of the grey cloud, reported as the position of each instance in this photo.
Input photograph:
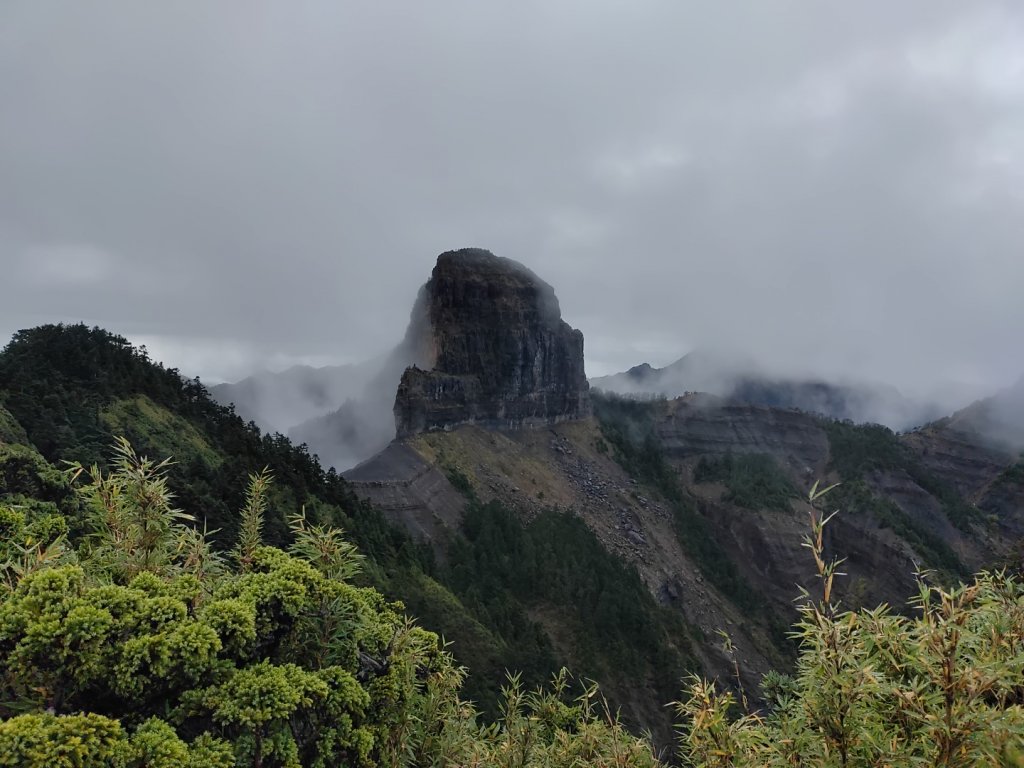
(831, 187)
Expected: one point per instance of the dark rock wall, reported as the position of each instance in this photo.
(491, 348)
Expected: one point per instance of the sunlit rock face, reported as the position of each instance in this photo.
(491, 348)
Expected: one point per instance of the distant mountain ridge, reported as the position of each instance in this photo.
(740, 380)
(999, 417)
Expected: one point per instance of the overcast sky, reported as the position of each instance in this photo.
(835, 187)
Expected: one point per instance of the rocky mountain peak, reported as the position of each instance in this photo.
(490, 348)
(640, 371)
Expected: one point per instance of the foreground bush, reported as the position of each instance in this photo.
(142, 646)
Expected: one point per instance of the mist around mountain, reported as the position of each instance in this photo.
(740, 379)
(277, 401)
(450, 344)
(999, 418)
(344, 414)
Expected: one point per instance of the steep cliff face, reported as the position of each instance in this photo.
(1004, 501)
(491, 348)
(966, 459)
(979, 451)
(706, 425)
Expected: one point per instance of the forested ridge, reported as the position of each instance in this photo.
(235, 606)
